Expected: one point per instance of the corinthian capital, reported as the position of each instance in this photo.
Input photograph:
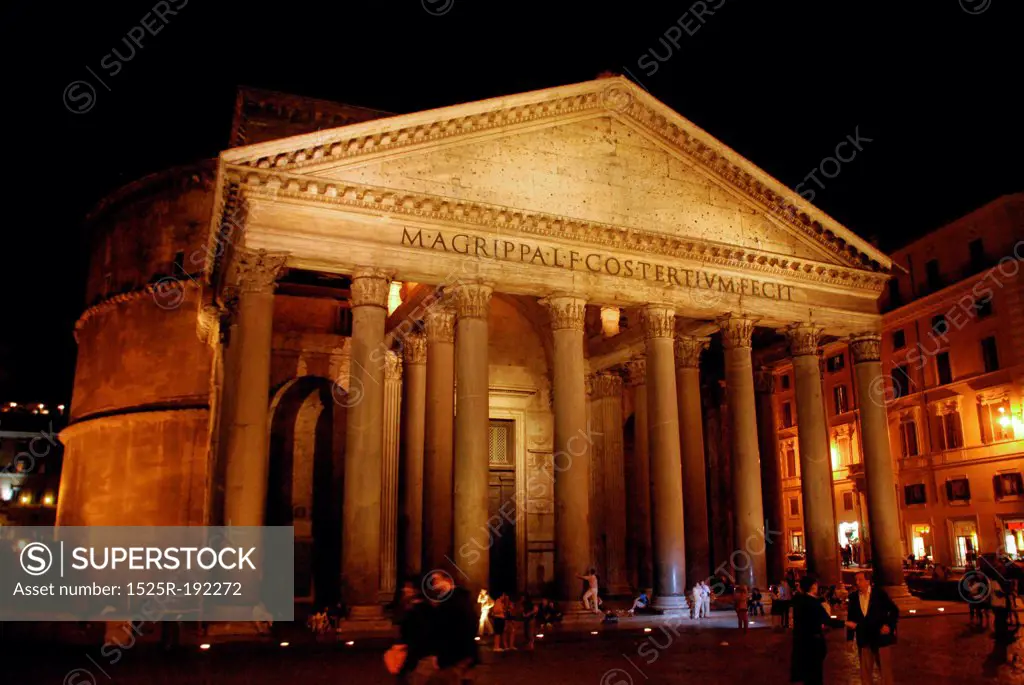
(392, 365)
(866, 347)
(636, 371)
(472, 300)
(439, 323)
(566, 312)
(257, 270)
(658, 321)
(414, 348)
(803, 338)
(607, 385)
(370, 288)
(688, 349)
(736, 331)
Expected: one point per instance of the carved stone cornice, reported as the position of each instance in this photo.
(392, 366)
(513, 221)
(370, 288)
(588, 384)
(472, 300)
(566, 312)
(636, 372)
(439, 323)
(256, 271)
(414, 348)
(658, 321)
(866, 347)
(688, 350)
(619, 97)
(737, 331)
(803, 338)
(606, 384)
(157, 291)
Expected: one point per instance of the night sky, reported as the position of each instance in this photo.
(936, 85)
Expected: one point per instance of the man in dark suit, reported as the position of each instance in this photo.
(872, 620)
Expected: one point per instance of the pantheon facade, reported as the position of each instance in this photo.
(512, 339)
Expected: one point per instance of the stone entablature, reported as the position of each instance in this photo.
(618, 96)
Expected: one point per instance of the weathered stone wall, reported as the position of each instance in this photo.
(137, 449)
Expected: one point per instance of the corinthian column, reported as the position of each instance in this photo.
(815, 460)
(572, 445)
(472, 468)
(389, 475)
(666, 461)
(439, 437)
(879, 474)
(691, 438)
(748, 560)
(364, 445)
(638, 482)
(771, 473)
(414, 352)
(245, 487)
(607, 430)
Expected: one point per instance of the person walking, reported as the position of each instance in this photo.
(741, 602)
(590, 598)
(706, 596)
(872, 622)
(809, 647)
(785, 602)
(530, 612)
(697, 602)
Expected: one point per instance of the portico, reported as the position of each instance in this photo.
(545, 208)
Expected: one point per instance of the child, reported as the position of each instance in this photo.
(641, 602)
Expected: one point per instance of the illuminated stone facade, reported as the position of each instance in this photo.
(238, 360)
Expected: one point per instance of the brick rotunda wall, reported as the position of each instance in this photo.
(137, 447)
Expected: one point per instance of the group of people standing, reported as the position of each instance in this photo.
(501, 617)
(871, 623)
(700, 600)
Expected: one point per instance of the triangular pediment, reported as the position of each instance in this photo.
(604, 152)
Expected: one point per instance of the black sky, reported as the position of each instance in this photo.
(937, 89)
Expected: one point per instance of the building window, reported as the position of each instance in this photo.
(839, 399)
(914, 494)
(977, 251)
(900, 381)
(995, 421)
(908, 438)
(989, 354)
(942, 368)
(796, 541)
(899, 339)
(1013, 535)
(939, 325)
(791, 471)
(895, 296)
(835, 363)
(958, 490)
(848, 501)
(1008, 485)
(794, 506)
(931, 269)
(983, 308)
(785, 381)
(179, 264)
(951, 432)
(787, 415)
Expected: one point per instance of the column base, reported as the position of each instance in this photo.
(365, 619)
(365, 612)
(670, 603)
(900, 594)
